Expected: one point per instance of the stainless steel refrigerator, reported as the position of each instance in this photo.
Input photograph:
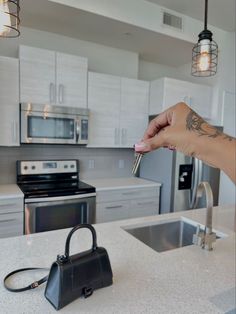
(179, 176)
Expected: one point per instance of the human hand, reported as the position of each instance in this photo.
(178, 127)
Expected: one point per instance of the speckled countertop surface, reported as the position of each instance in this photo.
(184, 280)
(121, 183)
(10, 191)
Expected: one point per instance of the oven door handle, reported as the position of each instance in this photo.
(58, 198)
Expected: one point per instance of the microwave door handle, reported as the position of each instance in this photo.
(77, 131)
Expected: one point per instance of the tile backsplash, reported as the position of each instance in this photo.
(94, 162)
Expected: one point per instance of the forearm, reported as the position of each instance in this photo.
(219, 152)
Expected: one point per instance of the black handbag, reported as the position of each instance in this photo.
(73, 276)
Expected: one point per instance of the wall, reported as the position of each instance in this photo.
(106, 161)
(100, 58)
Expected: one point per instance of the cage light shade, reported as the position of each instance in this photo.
(9, 18)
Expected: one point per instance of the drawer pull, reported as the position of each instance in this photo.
(8, 204)
(7, 220)
(113, 207)
(132, 192)
(146, 203)
(10, 213)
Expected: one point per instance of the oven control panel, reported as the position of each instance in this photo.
(47, 167)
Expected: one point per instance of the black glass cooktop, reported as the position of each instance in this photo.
(53, 188)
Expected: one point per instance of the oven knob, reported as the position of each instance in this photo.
(25, 167)
(72, 166)
(65, 166)
(33, 167)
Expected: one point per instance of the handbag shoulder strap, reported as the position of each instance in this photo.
(33, 285)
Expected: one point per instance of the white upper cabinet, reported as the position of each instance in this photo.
(71, 78)
(118, 110)
(166, 92)
(37, 75)
(52, 78)
(104, 105)
(9, 102)
(133, 110)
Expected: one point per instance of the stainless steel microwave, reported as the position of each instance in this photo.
(46, 124)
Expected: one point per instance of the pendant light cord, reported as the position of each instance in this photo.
(206, 14)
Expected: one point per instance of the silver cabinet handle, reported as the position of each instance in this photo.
(61, 94)
(117, 135)
(146, 203)
(124, 136)
(131, 192)
(7, 220)
(8, 204)
(113, 207)
(52, 93)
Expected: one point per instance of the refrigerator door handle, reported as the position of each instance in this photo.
(200, 166)
(193, 191)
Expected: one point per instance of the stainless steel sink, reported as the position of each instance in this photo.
(165, 236)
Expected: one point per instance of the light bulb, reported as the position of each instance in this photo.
(204, 59)
(5, 19)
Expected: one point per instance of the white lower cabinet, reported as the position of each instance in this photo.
(11, 217)
(127, 203)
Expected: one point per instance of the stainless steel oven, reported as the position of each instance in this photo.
(51, 213)
(53, 124)
(54, 197)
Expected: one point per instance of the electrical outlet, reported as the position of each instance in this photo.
(121, 164)
(91, 164)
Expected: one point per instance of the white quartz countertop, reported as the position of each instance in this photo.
(10, 191)
(121, 183)
(184, 280)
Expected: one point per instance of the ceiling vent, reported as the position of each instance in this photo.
(172, 20)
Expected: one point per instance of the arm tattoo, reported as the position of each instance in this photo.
(198, 125)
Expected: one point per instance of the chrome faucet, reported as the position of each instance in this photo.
(206, 237)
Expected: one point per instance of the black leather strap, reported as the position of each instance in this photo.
(33, 285)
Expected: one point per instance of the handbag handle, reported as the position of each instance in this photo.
(86, 226)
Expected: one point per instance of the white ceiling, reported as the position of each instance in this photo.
(48, 16)
(151, 46)
(221, 13)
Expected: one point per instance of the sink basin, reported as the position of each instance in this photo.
(165, 236)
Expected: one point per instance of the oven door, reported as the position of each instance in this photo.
(48, 128)
(51, 213)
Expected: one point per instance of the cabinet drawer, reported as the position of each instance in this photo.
(11, 205)
(127, 194)
(144, 207)
(11, 225)
(112, 211)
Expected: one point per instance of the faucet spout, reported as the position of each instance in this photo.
(206, 238)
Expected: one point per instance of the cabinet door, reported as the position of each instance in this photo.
(71, 80)
(104, 105)
(175, 91)
(133, 111)
(37, 75)
(112, 211)
(9, 102)
(200, 100)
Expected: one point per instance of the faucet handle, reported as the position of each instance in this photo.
(198, 237)
(210, 238)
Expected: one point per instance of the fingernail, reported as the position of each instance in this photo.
(140, 146)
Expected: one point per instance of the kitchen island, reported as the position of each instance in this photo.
(182, 280)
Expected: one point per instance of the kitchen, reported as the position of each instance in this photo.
(120, 61)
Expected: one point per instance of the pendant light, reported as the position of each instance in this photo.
(9, 18)
(205, 52)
